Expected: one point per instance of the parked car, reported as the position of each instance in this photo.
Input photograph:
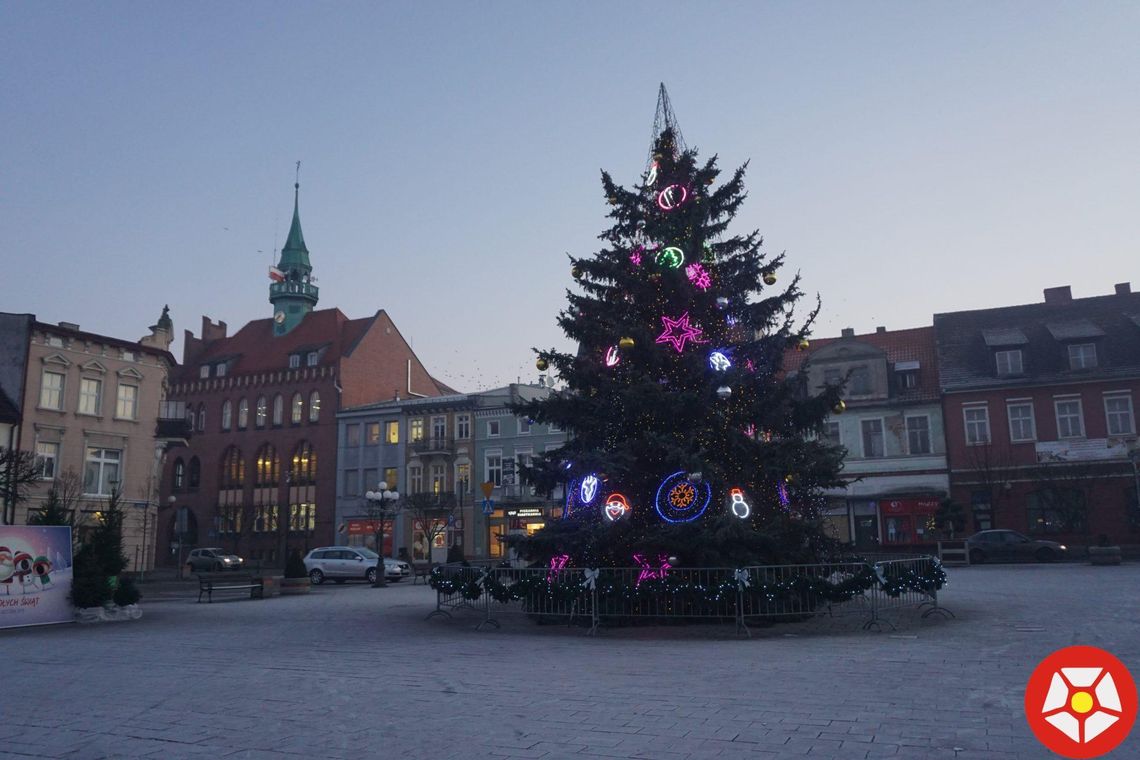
(213, 559)
(343, 563)
(989, 545)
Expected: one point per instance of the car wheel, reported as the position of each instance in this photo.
(977, 557)
(316, 577)
(370, 576)
(1045, 555)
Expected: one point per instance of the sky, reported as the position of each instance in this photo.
(910, 158)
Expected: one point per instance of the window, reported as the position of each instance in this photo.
(179, 475)
(390, 477)
(312, 358)
(494, 468)
(977, 425)
(1022, 426)
(243, 414)
(416, 479)
(262, 412)
(524, 426)
(1082, 355)
(392, 432)
(372, 433)
(873, 438)
(304, 465)
(201, 418)
(268, 467)
(294, 361)
(47, 456)
(918, 435)
(101, 475)
(352, 435)
(463, 426)
(438, 428)
(233, 468)
(492, 428)
(127, 406)
(1070, 423)
(90, 395)
(51, 390)
(220, 370)
(1008, 362)
(830, 434)
(860, 381)
(194, 476)
(416, 430)
(298, 409)
(227, 414)
(204, 371)
(351, 483)
(278, 409)
(1118, 413)
(438, 478)
(314, 407)
(462, 478)
(302, 517)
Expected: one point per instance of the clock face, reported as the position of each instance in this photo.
(279, 317)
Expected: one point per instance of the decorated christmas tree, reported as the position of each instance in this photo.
(688, 444)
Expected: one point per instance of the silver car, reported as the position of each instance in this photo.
(212, 559)
(342, 563)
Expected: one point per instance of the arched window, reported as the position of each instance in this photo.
(233, 468)
(243, 414)
(298, 408)
(179, 474)
(201, 418)
(304, 470)
(262, 412)
(195, 475)
(268, 466)
(314, 406)
(278, 409)
(227, 414)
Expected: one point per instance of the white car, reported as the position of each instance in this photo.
(342, 563)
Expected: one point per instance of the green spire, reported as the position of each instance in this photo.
(295, 254)
(294, 296)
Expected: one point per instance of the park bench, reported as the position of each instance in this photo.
(421, 570)
(208, 583)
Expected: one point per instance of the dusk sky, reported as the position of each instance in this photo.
(911, 158)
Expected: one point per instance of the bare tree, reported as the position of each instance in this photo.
(19, 472)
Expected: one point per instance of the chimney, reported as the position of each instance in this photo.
(1123, 288)
(880, 329)
(1063, 294)
(848, 332)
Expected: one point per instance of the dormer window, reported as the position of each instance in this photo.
(311, 359)
(204, 371)
(1009, 362)
(294, 361)
(1082, 355)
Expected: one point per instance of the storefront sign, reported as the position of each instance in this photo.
(35, 575)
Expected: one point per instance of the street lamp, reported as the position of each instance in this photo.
(379, 502)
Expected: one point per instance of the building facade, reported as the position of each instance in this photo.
(94, 411)
(1039, 402)
(259, 475)
(892, 430)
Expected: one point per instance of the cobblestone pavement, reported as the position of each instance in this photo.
(352, 672)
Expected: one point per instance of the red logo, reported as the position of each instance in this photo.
(1080, 702)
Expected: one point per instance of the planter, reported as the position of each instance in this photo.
(290, 586)
(1104, 555)
(109, 614)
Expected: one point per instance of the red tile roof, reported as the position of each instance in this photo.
(912, 344)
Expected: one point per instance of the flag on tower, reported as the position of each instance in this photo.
(276, 274)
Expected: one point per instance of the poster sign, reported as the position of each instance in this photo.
(35, 575)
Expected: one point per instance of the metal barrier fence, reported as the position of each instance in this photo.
(868, 587)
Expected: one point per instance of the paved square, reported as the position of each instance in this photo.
(352, 672)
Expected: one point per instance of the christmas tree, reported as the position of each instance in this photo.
(687, 442)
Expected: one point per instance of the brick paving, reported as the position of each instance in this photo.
(352, 672)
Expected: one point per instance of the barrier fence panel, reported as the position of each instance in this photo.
(868, 586)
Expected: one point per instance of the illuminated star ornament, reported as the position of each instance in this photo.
(677, 331)
(699, 276)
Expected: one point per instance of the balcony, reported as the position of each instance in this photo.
(434, 446)
(173, 428)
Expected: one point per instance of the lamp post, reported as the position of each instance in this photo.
(378, 505)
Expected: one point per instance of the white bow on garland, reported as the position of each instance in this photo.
(591, 578)
(742, 579)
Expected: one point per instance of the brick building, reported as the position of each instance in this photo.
(1039, 402)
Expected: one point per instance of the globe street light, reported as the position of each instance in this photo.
(379, 502)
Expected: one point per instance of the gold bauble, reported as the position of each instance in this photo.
(840, 406)
(769, 279)
(803, 344)
(625, 343)
(542, 364)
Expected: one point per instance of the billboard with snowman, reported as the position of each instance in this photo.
(35, 575)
